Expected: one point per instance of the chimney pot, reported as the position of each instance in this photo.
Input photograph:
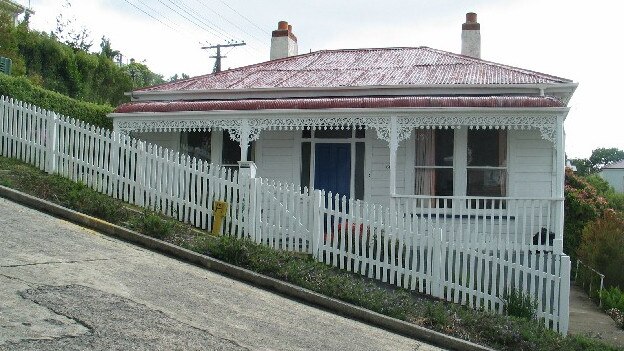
(471, 17)
(282, 25)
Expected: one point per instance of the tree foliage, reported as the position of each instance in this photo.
(141, 75)
(24, 90)
(67, 67)
(605, 156)
(599, 158)
(602, 247)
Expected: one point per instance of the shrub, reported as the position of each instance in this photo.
(153, 225)
(22, 89)
(612, 298)
(582, 205)
(519, 304)
(616, 201)
(86, 200)
(602, 247)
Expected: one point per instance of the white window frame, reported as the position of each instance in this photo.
(460, 163)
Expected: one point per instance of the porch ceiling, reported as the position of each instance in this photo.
(342, 102)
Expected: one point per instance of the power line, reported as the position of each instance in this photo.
(202, 25)
(228, 21)
(264, 31)
(140, 9)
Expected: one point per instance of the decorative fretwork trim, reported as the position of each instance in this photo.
(403, 123)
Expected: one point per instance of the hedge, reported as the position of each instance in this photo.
(22, 89)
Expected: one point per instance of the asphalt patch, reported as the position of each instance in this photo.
(115, 323)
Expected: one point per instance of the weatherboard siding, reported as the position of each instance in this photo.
(277, 156)
(530, 164)
(379, 171)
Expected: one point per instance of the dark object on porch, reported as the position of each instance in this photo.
(540, 237)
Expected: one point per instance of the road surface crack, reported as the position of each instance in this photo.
(55, 262)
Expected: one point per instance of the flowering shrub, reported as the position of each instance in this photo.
(617, 315)
(582, 205)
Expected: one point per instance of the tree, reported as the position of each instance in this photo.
(176, 77)
(605, 156)
(583, 166)
(64, 32)
(106, 49)
(599, 158)
(141, 75)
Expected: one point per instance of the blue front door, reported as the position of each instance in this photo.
(332, 168)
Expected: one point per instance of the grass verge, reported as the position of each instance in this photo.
(496, 331)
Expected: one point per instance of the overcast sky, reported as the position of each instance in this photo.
(577, 40)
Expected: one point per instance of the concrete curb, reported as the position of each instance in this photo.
(337, 306)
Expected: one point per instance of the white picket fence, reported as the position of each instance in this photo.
(451, 250)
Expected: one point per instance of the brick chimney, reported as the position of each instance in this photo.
(471, 36)
(283, 41)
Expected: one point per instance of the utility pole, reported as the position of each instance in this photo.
(218, 57)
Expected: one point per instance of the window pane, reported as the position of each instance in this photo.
(230, 155)
(196, 144)
(487, 148)
(434, 147)
(359, 171)
(486, 182)
(434, 181)
(333, 134)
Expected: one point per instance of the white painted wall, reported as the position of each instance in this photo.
(278, 155)
(615, 177)
(530, 164)
(378, 190)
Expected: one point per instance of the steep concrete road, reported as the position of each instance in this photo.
(63, 287)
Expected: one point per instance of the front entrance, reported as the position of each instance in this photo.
(332, 168)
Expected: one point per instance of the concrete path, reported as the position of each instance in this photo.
(63, 287)
(587, 319)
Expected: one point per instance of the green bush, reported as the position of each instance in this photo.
(612, 298)
(88, 201)
(154, 225)
(616, 201)
(518, 304)
(602, 247)
(582, 205)
(22, 89)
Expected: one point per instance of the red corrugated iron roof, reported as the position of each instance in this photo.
(349, 102)
(363, 67)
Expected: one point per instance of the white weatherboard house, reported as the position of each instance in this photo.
(411, 124)
(614, 175)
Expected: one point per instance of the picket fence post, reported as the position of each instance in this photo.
(436, 263)
(50, 142)
(564, 295)
(316, 234)
(247, 182)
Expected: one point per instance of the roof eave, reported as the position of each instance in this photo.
(434, 89)
(563, 111)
